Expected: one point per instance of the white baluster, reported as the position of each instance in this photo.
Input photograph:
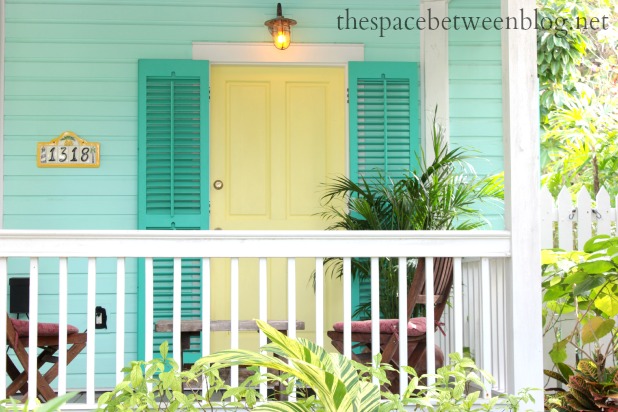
(120, 317)
(62, 325)
(90, 348)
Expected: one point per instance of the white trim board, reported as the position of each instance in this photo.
(435, 91)
(266, 53)
(2, 46)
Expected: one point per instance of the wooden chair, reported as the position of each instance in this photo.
(17, 338)
(389, 337)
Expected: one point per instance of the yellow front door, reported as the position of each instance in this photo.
(277, 135)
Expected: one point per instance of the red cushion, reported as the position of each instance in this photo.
(416, 326)
(44, 329)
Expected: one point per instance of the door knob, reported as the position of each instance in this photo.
(218, 185)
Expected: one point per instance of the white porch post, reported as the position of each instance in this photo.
(522, 193)
(434, 75)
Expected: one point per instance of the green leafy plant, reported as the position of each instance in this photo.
(330, 382)
(590, 388)
(343, 385)
(457, 388)
(13, 405)
(560, 51)
(334, 378)
(578, 80)
(158, 385)
(583, 286)
(442, 195)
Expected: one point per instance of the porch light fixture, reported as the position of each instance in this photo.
(280, 29)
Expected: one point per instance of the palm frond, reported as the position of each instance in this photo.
(444, 194)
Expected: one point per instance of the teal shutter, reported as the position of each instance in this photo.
(384, 127)
(172, 174)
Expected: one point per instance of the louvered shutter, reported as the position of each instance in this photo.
(384, 127)
(173, 173)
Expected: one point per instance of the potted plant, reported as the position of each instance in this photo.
(442, 195)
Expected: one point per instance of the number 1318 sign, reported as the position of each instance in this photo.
(68, 150)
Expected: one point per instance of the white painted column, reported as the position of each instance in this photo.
(522, 203)
(434, 75)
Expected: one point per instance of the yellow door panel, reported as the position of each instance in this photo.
(246, 152)
(277, 135)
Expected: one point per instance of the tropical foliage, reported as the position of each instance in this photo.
(580, 306)
(322, 381)
(443, 195)
(160, 385)
(452, 390)
(13, 405)
(578, 75)
(589, 388)
(333, 377)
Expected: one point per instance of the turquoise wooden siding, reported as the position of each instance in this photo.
(384, 128)
(173, 146)
(475, 71)
(72, 65)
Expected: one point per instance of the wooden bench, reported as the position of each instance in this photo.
(189, 328)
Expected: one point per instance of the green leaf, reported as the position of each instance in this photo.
(577, 277)
(164, 349)
(599, 242)
(608, 304)
(554, 293)
(548, 257)
(368, 397)
(596, 328)
(588, 284)
(56, 403)
(167, 379)
(471, 398)
(565, 370)
(558, 352)
(561, 308)
(104, 398)
(282, 407)
(136, 377)
(555, 280)
(596, 267)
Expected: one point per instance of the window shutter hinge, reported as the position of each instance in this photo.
(208, 93)
(348, 95)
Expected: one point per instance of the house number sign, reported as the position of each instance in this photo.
(68, 150)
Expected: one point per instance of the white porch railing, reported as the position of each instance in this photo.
(475, 320)
(483, 293)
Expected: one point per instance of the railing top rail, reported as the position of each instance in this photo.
(216, 243)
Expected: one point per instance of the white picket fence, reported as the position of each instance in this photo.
(566, 225)
(569, 225)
